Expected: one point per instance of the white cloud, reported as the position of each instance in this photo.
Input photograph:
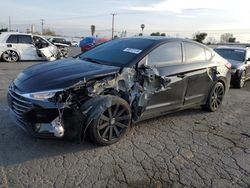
(178, 6)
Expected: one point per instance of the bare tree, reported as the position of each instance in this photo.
(227, 37)
(49, 32)
(92, 28)
(211, 40)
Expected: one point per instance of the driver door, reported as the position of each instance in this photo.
(47, 50)
(166, 62)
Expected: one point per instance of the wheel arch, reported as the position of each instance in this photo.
(13, 49)
(92, 108)
(223, 82)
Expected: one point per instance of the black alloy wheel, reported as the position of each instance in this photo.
(112, 124)
(215, 97)
(10, 56)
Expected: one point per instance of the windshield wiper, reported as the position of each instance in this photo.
(91, 60)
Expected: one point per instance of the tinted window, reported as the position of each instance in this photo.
(194, 53)
(166, 54)
(233, 54)
(12, 39)
(59, 40)
(24, 39)
(119, 52)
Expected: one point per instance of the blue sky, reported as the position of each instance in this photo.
(174, 17)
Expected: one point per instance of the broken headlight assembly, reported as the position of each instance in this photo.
(42, 96)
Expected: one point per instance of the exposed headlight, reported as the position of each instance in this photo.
(41, 96)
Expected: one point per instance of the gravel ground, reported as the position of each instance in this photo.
(191, 148)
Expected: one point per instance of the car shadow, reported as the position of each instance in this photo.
(247, 86)
(182, 113)
(17, 146)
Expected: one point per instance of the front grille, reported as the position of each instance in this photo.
(19, 104)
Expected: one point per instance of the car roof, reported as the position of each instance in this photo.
(15, 33)
(159, 38)
(232, 47)
(162, 39)
(58, 38)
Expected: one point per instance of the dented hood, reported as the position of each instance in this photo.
(60, 74)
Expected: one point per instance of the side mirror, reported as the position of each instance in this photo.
(248, 59)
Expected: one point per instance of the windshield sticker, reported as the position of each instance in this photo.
(132, 50)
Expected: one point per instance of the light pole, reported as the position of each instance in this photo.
(42, 22)
(9, 23)
(113, 23)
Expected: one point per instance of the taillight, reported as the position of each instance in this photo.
(228, 65)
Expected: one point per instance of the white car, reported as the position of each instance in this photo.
(75, 43)
(20, 46)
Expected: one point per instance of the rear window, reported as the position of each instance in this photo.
(25, 39)
(233, 54)
(194, 53)
(59, 40)
(12, 39)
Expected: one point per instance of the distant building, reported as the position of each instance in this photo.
(32, 29)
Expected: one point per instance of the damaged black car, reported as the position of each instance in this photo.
(100, 93)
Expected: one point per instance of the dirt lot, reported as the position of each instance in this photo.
(191, 148)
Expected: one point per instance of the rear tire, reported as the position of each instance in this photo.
(10, 56)
(112, 124)
(215, 98)
(240, 83)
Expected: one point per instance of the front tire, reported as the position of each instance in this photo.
(10, 56)
(112, 124)
(215, 97)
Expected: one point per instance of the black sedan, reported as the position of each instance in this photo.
(103, 91)
(240, 59)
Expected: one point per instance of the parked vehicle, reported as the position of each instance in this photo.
(62, 45)
(21, 46)
(90, 42)
(239, 57)
(57, 40)
(102, 91)
(75, 43)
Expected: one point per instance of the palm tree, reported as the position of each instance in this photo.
(92, 28)
(142, 27)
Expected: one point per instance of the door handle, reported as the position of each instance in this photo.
(9, 45)
(181, 75)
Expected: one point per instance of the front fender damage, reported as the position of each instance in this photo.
(86, 100)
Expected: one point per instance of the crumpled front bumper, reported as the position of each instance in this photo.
(29, 114)
(27, 126)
